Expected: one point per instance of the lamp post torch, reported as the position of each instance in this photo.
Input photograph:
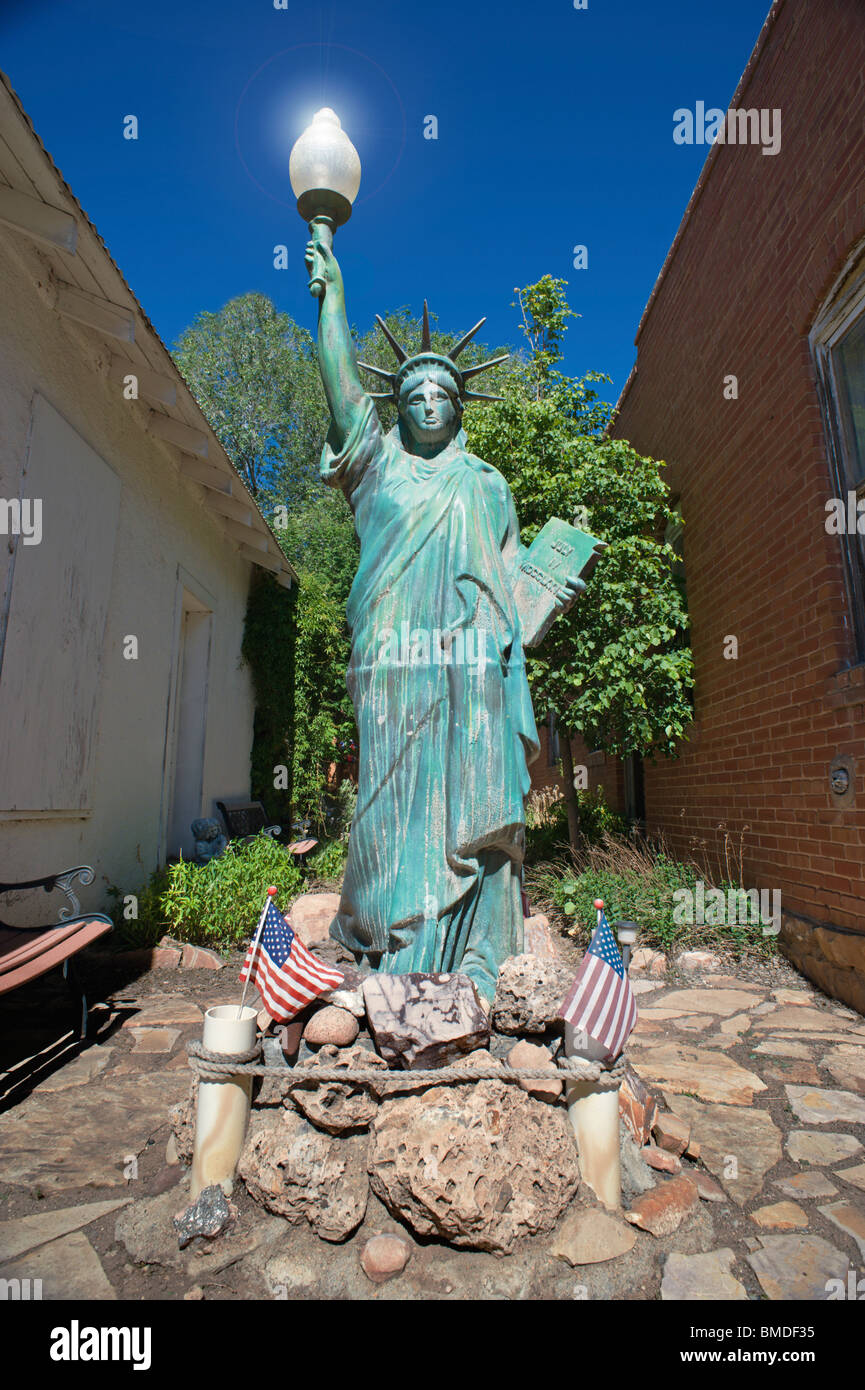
(324, 169)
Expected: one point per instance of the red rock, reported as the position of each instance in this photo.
(693, 1150)
(526, 1054)
(671, 1133)
(645, 961)
(383, 1257)
(311, 914)
(164, 958)
(539, 940)
(199, 958)
(637, 1106)
(662, 1210)
(661, 1160)
(148, 958)
(331, 1025)
(290, 1034)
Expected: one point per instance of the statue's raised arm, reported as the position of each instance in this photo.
(337, 362)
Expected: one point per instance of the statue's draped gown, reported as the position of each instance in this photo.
(432, 881)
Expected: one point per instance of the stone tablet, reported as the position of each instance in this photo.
(420, 1020)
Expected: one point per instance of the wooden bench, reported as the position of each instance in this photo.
(28, 952)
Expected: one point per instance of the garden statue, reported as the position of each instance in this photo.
(443, 603)
(210, 839)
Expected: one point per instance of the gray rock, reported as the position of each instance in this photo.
(424, 1020)
(297, 1172)
(701, 1278)
(147, 1230)
(209, 1215)
(529, 993)
(590, 1237)
(479, 1165)
(67, 1269)
(28, 1232)
(797, 1267)
(637, 1176)
(337, 1106)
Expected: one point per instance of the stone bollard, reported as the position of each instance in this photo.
(223, 1103)
(593, 1110)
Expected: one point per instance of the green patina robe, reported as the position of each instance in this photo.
(436, 846)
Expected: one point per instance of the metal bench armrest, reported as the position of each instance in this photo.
(63, 881)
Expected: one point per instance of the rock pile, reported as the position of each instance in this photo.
(479, 1165)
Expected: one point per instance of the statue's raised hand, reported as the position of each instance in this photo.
(321, 262)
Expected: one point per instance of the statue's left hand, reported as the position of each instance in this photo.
(569, 591)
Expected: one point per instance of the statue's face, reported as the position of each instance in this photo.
(429, 412)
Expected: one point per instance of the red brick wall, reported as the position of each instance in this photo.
(761, 249)
(601, 771)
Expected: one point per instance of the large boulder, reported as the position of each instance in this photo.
(424, 1020)
(477, 1165)
(337, 1106)
(539, 938)
(311, 915)
(297, 1172)
(529, 993)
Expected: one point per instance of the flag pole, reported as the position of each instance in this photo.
(593, 1110)
(271, 894)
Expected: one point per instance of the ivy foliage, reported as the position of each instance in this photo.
(269, 649)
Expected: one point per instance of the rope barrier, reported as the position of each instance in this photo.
(211, 1066)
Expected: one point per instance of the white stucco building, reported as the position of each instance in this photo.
(127, 542)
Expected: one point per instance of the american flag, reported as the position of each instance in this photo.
(600, 1002)
(285, 973)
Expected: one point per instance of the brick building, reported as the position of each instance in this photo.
(765, 283)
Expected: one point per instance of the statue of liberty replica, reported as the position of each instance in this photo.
(443, 603)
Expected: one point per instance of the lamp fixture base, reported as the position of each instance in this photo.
(324, 202)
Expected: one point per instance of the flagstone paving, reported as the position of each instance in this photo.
(855, 1175)
(768, 1073)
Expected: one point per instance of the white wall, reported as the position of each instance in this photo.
(165, 541)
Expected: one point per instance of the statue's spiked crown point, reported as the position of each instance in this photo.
(410, 366)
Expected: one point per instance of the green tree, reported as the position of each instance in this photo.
(254, 373)
(614, 668)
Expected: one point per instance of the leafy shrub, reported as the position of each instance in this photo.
(597, 819)
(151, 923)
(220, 903)
(328, 863)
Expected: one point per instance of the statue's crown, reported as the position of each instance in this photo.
(426, 358)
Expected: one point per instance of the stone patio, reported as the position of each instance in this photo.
(767, 1072)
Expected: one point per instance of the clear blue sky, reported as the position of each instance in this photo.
(555, 129)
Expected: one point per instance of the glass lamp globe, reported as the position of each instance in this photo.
(324, 169)
(627, 933)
